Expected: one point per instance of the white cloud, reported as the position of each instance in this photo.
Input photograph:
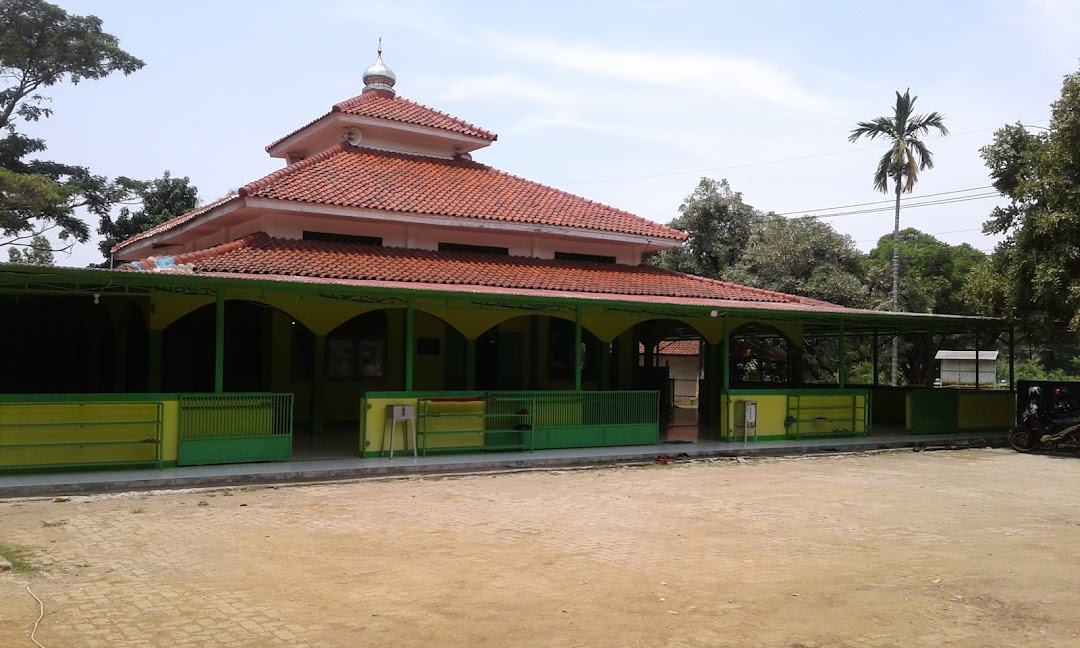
(689, 73)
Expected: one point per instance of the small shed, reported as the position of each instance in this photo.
(959, 367)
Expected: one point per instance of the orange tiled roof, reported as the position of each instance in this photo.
(409, 112)
(348, 176)
(259, 255)
(400, 110)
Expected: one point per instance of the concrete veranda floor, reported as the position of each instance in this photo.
(67, 483)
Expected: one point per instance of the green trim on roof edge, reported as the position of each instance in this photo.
(58, 280)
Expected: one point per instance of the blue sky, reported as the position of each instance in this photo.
(627, 103)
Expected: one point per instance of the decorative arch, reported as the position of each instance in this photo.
(762, 353)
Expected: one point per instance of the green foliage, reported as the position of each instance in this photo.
(162, 199)
(907, 154)
(42, 45)
(18, 557)
(38, 252)
(802, 257)
(718, 223)
(932, 273)
(1038, 263)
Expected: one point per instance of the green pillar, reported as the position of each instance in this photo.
(577, 348)
(713, 380)
(153, 361)
(842, 367)
(725, 380)
(318, 387)
(470, 364)
(219, 345)
(410, 345)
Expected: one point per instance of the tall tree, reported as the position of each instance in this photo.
(932, 279)
(162, 199)
(38, 253)
(803, 256)
(42, 45)
(1039, 173)
(718, 223)
(901, 164)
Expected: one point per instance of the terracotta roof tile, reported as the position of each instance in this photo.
(347, 176)
(259, 255)
(400, 110)
(678, 348)
(409, 112)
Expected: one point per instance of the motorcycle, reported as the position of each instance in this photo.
(1054, 428)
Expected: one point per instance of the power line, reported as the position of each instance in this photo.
(878, 202)
(960, 231)
(763, 163)
(930, 203)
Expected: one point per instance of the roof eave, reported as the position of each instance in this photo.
(133, 246)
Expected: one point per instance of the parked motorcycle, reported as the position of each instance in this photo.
(1053, 428)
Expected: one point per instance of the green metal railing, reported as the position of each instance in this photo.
(234, 428)
(587, 408)
(42, 432)
(218, 416)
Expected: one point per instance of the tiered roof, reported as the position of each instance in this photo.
(260, 256)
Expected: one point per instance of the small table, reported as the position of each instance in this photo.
(406, 415)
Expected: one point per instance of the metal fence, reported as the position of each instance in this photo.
(554, 409)
(219, 416)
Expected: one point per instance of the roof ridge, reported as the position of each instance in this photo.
(269, 180)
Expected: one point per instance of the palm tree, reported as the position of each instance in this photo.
(907, 155)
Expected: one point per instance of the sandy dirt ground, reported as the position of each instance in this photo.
(962, 548)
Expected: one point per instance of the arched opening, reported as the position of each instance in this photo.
(258, 349)
(536, 352)
(762, 356)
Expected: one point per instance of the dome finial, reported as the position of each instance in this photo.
(378, 78)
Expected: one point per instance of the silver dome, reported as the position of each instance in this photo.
(380, 70)
(379, 76)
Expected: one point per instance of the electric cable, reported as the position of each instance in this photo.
(41, 616)
(879, 202)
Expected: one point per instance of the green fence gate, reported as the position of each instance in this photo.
(234, 428)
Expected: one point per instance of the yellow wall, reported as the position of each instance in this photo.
(86, 432)
(376, 436)
(771, 412)
(986, 410)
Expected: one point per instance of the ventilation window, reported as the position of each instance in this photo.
(591, 258)
(474, 249)
(343, 238)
